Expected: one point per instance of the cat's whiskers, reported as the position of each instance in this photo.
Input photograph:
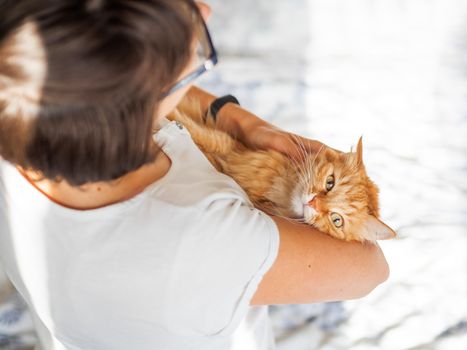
(304, 171)
(301, 146)
(317, 153)
(306, 180)
(314, 161)
(303, 153)
(304, 175)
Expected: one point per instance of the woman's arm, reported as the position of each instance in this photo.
(314, 267)
(228, 118)
(251, 130)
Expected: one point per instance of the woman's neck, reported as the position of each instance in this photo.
(100, 194)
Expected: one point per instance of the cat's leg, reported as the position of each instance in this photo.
(267, 177)
(216, 145)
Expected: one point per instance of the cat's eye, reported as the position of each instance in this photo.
(329, 182)
(337, 220)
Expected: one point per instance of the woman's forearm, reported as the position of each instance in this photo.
(232, 118)
(252, 131)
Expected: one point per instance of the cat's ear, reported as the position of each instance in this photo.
(376, 229)
(356, 158)
(359, 152)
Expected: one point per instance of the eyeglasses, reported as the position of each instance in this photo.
(206, 57)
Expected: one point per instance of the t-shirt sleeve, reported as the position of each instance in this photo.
(226, 254)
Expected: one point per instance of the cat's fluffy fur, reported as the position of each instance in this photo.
(281, 186)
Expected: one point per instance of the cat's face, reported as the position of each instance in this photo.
(335, 195)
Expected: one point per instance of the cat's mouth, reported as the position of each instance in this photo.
(308, 212)
(309, 206)
(302, 207)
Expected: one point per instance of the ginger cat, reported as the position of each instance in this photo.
(329, 190)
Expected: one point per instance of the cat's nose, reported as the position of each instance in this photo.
(312, 202)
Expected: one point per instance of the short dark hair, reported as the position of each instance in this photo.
(80, 82)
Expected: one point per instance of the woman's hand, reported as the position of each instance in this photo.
(254, 132)
(267, 136)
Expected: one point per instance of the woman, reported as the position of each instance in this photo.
(114, 227)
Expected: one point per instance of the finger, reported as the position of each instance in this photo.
(285, 144)
(205, 10)
(310, 145)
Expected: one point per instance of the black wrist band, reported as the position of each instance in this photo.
(218, 103)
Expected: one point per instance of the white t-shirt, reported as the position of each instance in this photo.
(173, 268)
